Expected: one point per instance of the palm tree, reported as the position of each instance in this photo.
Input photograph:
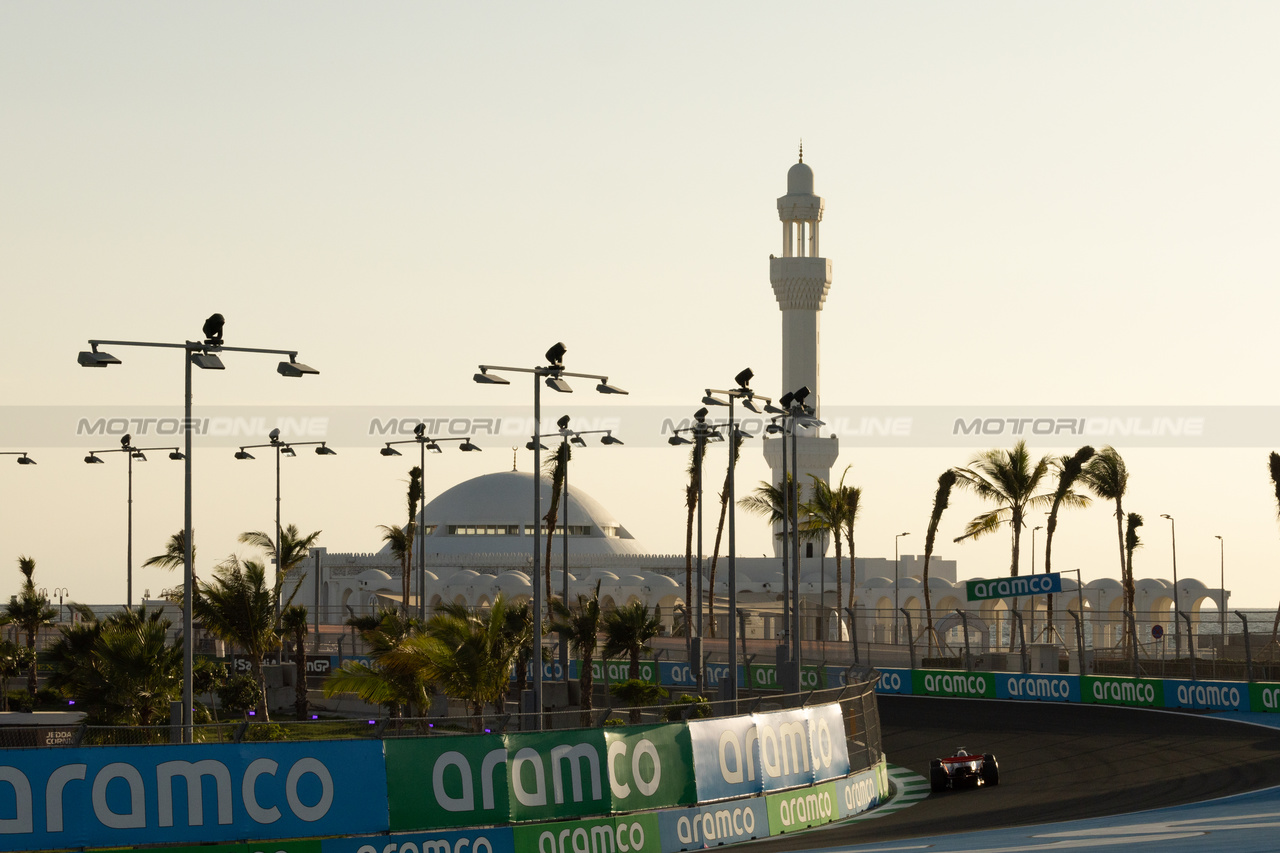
(121, 670)
(828, 510)
(519, 630)
(1131, 544)
(400, 541)
(293, 550)
(942, 497)
(1274, 464)
(294, 621)
(724, 506)
(580, 625)
(1069, 470)
(1108, 478)
(626, 630)
(555, 468)
(240, 608)
(851, 496)
(387, 679)
(770, 502)
(691, 498)
(1009, 479)
(14, 661)
(468, 653)
(174, 555)
(30, 611)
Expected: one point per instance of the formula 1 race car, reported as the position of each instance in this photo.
(963, 769)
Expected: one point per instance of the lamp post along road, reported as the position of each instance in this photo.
(896, 564)
(1222, 591)
(553, 373)
(203, 354)
(572, 437)
(131, 453)
(425, 443)
(1177, 628)
(283, 448)
(23, 458)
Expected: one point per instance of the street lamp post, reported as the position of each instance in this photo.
(126, 447)
(572, 437)
(1033, 598)
(702, 433)
(61, 592)
(1222, 587)
(203, 354)
(553, 373)
(1177, 628)
(283, 448)
(425, 443)
(896, 564)
(23, 458)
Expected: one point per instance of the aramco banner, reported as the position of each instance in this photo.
(148, 795)
(1022, 585)
(737, 756)
(474, 780)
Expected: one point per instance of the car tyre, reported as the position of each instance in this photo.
(937, 776)
(990, 770)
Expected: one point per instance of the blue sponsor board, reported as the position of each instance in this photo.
(550, 671)
(1038, 686)
(1206, 695)
(150, 795)
(858, 793)
(679, 674)
(710, 826)
(497, 839)
(726, 758)
(894, 681)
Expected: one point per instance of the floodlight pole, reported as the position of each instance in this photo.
(129, 450)
(208, 349)
(554, 371)
(280, 446)
(423, 441)
(1177, 627)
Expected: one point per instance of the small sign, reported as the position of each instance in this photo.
(982, 590)
(1157, 631)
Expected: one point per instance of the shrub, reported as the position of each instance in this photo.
(701, 708)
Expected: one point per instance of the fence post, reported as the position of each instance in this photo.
(1024, 664)
(1191, 644)
(1248, 652)
(1079, 638)
(1133, 641)
(911, 643)
(964, 621)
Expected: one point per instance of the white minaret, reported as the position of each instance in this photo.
(801, 279)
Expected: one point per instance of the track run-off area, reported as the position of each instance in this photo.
(1063, 762)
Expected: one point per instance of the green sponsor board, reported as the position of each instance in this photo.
(984, 590)
(440, 782)
(801, 808)
(1264, 697)
(636, 833)
(650, 767)
(764, 676)
(615, 671)
(306, 845)
(977, 685)
(1136, 692)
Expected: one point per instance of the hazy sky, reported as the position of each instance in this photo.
(1028, 204)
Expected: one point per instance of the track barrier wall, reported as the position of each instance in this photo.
(1089, 689)
(628, 789)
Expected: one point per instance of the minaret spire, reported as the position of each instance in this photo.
(802, 150)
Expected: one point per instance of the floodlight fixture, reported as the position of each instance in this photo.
(555, 355)
(749, 405)
(773, 429)
(207, 361)
(605, 388)
(390, 451)
(744, 378)
(785, 400)
(177, 455)
(325, 450)
(555, 383)
(274, 435)
(93, 460)
(213, 330)
(242, 454)
(578, 440)
(94, 358)
(801, 395)
(529, 445)
(608, 438)
(700, 415)
(294, 368)
(288, 451)
(125, 439)
(420, 430)
(715, 435)
(770, 409)
(433, 447)
(484, 377)
(24, 459)
(563, 423)
(678, 439)
(139, 455)
(467, 446)
(708, 400)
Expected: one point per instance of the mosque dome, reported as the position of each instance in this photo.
(493, 514)
(800, 180)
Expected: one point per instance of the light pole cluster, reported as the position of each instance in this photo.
(552, 373)
(205, 355)
(425, 443)
(131, 453)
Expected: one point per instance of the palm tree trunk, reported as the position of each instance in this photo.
(839, 589)
(715, 555)
(31, 673)
(1126, 569)
(585, 686)
(260, 677)
(300, 675)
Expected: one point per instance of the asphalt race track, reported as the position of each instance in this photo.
(1057, 762)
